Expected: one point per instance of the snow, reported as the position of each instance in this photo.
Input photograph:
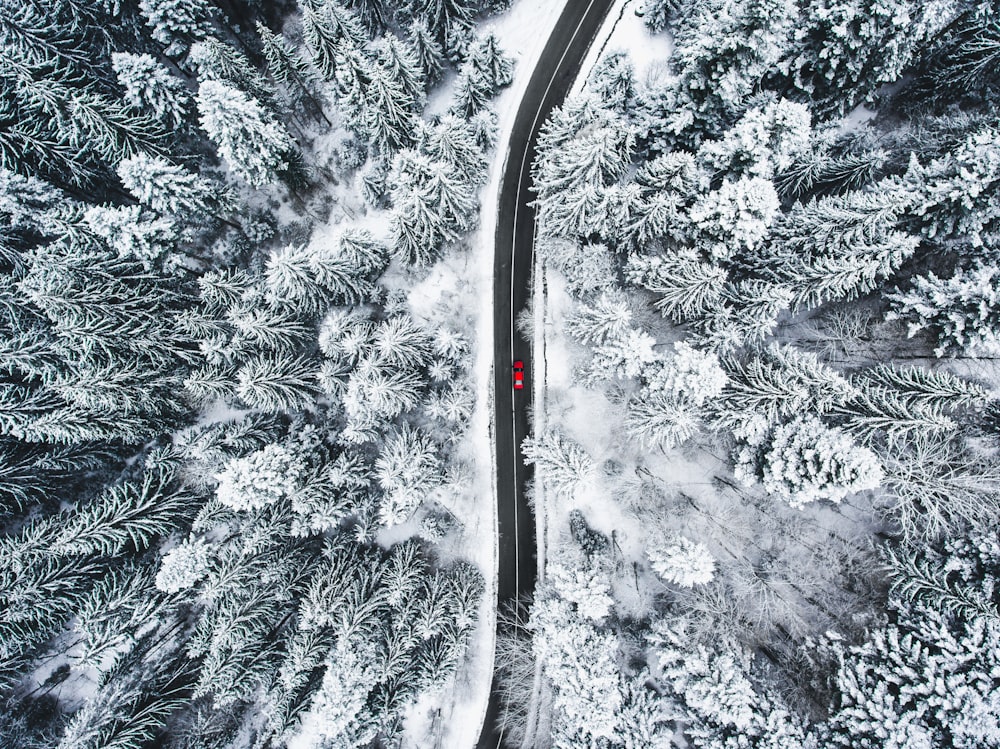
(624, 30)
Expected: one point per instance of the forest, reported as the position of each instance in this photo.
(227, 441)
(769, 474)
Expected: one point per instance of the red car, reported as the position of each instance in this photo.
(519, 375)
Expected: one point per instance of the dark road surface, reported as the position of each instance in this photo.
(551, 80)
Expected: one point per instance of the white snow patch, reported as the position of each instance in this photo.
(624, 30)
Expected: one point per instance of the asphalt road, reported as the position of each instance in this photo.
(551, 80)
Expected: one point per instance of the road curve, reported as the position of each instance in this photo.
(550, 81)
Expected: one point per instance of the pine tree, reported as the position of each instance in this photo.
(451, 141)
(724, 49)
(687, 287)
(841, 55)
(398, 58)
(389, 109)
(888, 687)
(839, 247)
(609, 318)
(613, 80)
(321, 41)
(428, 52)
(176, 23)
(777, 383)
(400, 343)
(223, 63)
(805, 460)
(287, 67)
(256, 146)
(736, 218)
(128, 515)
(170, 188)
(957, 195)
(134, 234)
(276, 383)
(564, 463)
(681, 561)
(447, 20)
(488, 59)
(472, 92)
(661, 421)
(150, 87)
(963, 311)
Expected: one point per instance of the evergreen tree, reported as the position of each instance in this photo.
(565, 463)
(681, 561)
(220, 62)
(724, 49)
(962, 312)
(687, 288)
(613, 80)
(170, 188)
(256, 146)
(805, 460)
(486, 57)
(839, 247)
(888, 686)
(843, 53)
(957, 195)
(150, 87)
(448, 21)
(128, 515)
(276, 383)
(177, 23)
(429, 54)
(777, 383)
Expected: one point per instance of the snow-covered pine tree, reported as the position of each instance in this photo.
(254, 144)
(958, 195)
(389, 105)
(129, 515)
(452, 141)
(874, 412)
(449, 21)
(399, 59)
(488, 59)
(687, 288)
(275, 330)
(134, 233)
(805, 460)
(608, 318)
(777, 383)
(471, 94)
(217, 61)
(613, 80)
(178, 23)
(681, 561)
(736, 218)
(277, 383)
(931, 386)
(888, 687)
(839, 247)
(841, 55)
(151, 88)
(724, 49)
(963, 311)
(170, 188)
(429, 54)
(565, 463)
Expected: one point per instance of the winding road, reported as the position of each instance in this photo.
(550, 81)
